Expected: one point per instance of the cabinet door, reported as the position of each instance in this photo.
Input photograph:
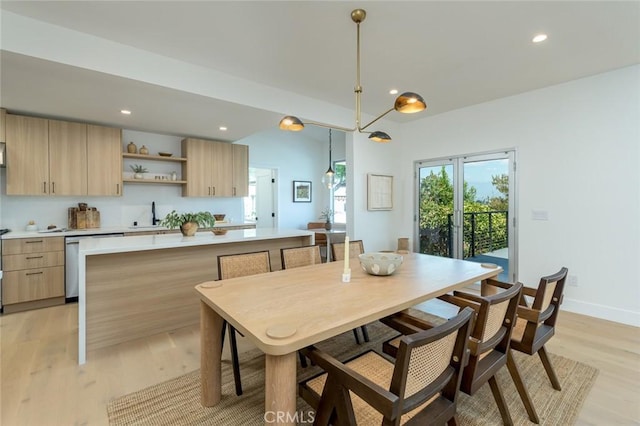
(32, 284)
(240, 170)
(198, 169)
(222, 167)
(67, 158)
(27, 155)
(104, 161)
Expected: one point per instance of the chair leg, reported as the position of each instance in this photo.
(234, 359)
(303, 360)
(502, 404)
(453, 421)
(549, 368)
(522, 389)
(365, 334)
(355, 334)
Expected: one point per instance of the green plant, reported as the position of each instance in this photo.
(326, 214)
(138, 168)
(176, 220)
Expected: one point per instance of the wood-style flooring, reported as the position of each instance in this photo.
(41, 383)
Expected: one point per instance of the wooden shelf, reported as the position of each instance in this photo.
(154, 157)
(157, 181)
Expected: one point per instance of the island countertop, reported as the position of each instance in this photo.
(95, 246)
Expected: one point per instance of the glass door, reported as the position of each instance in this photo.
(465, 209)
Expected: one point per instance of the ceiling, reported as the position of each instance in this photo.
(454, 53)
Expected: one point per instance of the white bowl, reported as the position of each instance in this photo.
(380, 263)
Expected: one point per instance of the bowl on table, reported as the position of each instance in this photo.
(380, 263)
(219, 231)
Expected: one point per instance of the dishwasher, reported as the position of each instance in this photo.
(72, 247)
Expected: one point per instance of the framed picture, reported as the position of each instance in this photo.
(301, 191)
(379, 192)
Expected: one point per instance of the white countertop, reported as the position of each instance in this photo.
(104, 230)
(94, 246)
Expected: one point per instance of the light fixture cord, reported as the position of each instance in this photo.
(358, 88)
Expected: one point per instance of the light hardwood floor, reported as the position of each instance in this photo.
(41, 383)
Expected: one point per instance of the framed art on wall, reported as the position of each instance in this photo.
(301, 191)
(379, 192)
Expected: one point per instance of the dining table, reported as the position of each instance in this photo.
(284, 311)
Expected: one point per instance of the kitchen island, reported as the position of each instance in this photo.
(136, 286)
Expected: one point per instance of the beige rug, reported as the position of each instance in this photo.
(177, 401)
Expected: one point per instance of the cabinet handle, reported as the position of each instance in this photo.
(209, 190)
(34, 273)
(214, 190)
(117, 189)
(33, 242)
(44, 187)
(53, 187)
(35, 257)
(234, 191)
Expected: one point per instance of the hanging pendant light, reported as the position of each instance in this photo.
(329, 179)
(406, 103)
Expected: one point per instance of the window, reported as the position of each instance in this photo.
(340, 192)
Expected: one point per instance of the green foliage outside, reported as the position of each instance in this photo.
(489, 225)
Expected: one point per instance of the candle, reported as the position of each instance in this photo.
(346, 255)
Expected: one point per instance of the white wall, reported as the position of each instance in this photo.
(578, 158)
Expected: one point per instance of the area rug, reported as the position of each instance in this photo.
(177, 401)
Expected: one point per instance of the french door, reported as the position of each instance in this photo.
(465, 209)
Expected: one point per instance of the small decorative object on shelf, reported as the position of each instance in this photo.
(327, 215)
(144, 150)
(132, 148)
(188, 222)
(138, 171)
(174, 176)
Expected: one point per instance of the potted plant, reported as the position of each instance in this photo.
(138, 171)
(188, 222)
(327, 215)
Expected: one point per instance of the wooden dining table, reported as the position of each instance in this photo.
(284, 311)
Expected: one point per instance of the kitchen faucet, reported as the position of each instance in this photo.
(154, 219)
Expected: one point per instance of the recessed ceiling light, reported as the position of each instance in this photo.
(223, 128)
(393, 91)
(125, 111)
(539, 38)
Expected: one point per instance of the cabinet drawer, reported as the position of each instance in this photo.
(32, 284)
(16, 262)
(32, 245)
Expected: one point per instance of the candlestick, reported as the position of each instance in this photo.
(346, 255)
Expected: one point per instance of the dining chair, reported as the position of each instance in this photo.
(300, 256)
(536, 321)
(234, 266)
(488, 344)
(419, 388)
(356, 248)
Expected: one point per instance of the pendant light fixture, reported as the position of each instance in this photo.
(329, 179)
(406, 103)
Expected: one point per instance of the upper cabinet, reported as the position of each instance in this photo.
(104, 162)
(215, 169)
(27, 155)
(67, 158)
(3, 125)
(52, 157)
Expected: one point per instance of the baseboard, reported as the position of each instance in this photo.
(623, 316)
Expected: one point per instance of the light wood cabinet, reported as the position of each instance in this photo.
(104, 161)
(215, 169)
(67, 158)
(27, 148)
(54, 157)
(3, 125)
(33, 274)
(240, 170)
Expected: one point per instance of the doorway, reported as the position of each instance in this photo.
(260, 205)
(465, 209)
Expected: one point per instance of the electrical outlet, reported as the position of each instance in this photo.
(572, 281)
